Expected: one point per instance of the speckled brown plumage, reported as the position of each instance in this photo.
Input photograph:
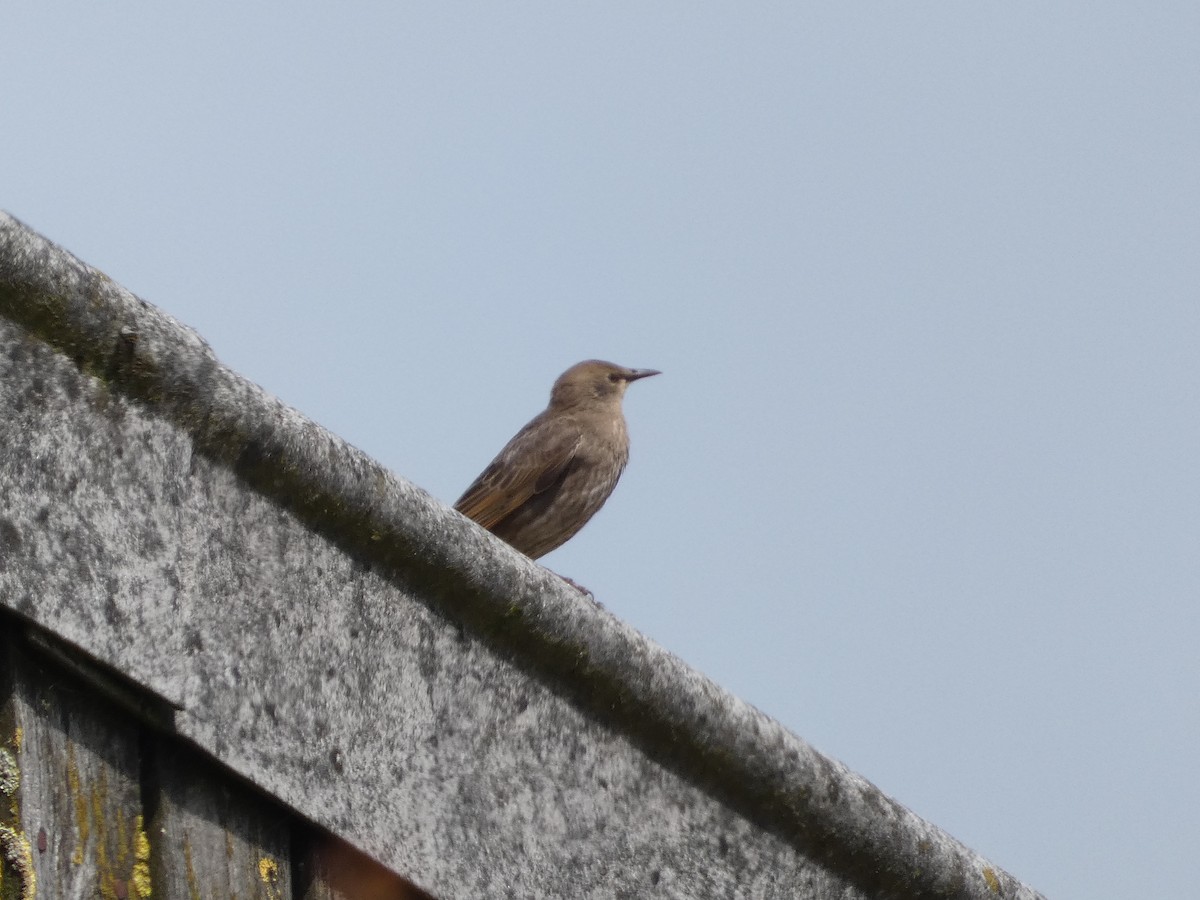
(560, 468)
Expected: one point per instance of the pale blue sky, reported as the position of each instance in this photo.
(920, 478)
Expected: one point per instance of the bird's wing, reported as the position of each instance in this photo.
(530, 463)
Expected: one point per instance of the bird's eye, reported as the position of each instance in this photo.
(614, 377)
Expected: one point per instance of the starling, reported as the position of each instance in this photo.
(560, 468)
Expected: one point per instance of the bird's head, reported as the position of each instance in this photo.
(594, 382)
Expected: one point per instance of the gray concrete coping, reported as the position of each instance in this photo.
(521, 612)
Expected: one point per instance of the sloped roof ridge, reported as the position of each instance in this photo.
(675, 714)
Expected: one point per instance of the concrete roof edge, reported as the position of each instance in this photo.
(678, 716)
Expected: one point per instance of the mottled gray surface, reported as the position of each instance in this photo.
(376, 661)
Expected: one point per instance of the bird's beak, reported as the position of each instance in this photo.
(635, 374)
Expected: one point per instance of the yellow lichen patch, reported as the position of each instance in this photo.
(18, 738)
(99, 797)
(140, 879)
(122, 840)
(82, 821)
(193, 883)
(993, 883)
(103, 855)
(268, 874)
(106, 838)
(16, 858)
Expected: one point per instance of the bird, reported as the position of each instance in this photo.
(558, 470)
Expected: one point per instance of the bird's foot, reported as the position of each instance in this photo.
(575, 584)
(579, 587)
